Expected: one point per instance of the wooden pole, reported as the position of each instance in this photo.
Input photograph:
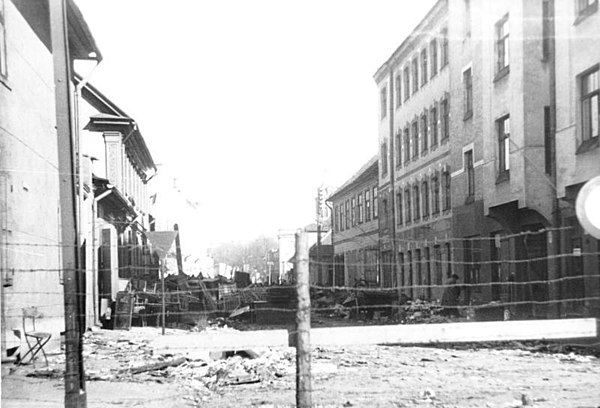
(75, 395)
(303, 378)
(178, 250)
(162, 286)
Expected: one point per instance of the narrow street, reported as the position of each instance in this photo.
(375, 376)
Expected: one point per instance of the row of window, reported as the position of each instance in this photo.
(423, 199)
(418, 137)
(418, 71)
(423, 266)
(362, 207)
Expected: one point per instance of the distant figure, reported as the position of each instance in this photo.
(450, 297)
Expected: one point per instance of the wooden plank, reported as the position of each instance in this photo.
(457, 332)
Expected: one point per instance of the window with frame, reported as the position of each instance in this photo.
(424, 66)
(398, 147)
(447, 190)
(433, 117)
(425, 193)
(347, 213)
(383, 97)
(406, 145)
(433, 52)
(502, 45)
(353, 211)
(415, 75)
(437, 264)
(419, 277)
(3, 63)
(408, 205)
(384, 206)
(444, 50)
(435, 193)
(398, 91)
(468, 93)
(424, 135)
(546, 29)
(467, 20)
(448, 259)
(503, 129)
(406, 82)
(417, 200)
(445, 118)
(368, 205)
(375, 203)
(361, 209)
(384, 159)
(415, 135)
(341, 216)
(470, 170)
(547, 141)
(336, 221)
(399, 208)
(590, 113)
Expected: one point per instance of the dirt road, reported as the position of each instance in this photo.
(375, 376)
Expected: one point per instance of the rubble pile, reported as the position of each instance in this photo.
(236, 370)
(421, 311)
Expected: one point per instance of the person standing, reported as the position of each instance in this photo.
(450, 297)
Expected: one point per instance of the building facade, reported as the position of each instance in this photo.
(488, 128)
(118, 212)
(577, 154)
(355, 232)
(30, 237)
(414, 172)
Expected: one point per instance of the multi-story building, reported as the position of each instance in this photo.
(576, 46)
(30, 237)
(414, 171)
(514, 68)
(491, 77)
(119, 208)
(355, 232)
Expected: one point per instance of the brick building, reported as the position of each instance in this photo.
(355, 236)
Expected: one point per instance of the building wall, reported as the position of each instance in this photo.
(418, 239)
(577, 51)
(356, 247)
(29, 199)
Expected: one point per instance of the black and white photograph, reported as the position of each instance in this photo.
(312, 204)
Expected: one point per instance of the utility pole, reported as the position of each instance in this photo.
(303, 376)
(75, 395)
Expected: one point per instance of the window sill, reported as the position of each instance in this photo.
(502, 73)
(444, 140)
(503, 176)
(446, 211)
(588, 145)
(468, 115)
(585, 13)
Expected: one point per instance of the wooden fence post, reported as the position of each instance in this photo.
(303, 377)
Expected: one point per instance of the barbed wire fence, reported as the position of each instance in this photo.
(385, 302)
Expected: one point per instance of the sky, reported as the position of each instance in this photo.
(251, 105)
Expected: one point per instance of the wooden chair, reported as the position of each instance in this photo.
(36, 340)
